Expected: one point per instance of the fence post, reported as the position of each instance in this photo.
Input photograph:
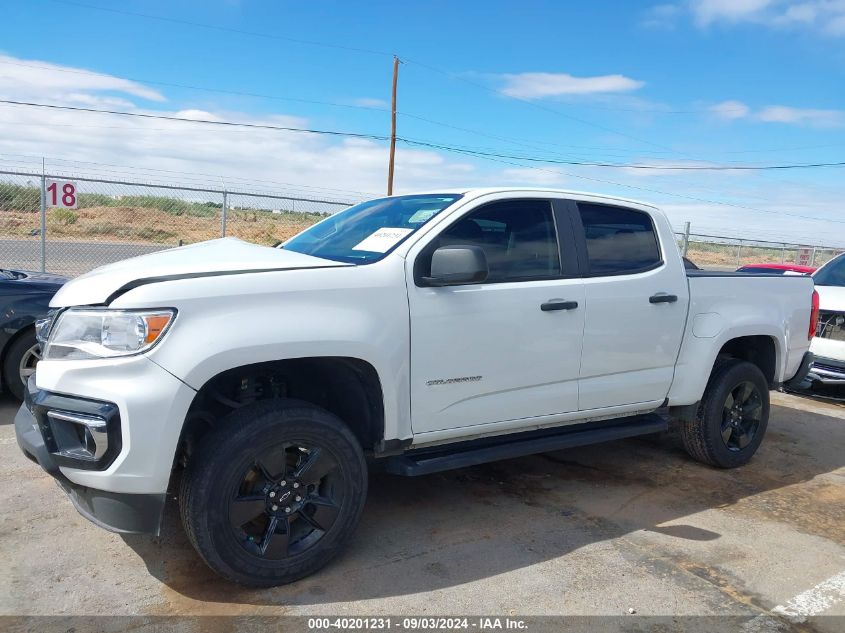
(223, 214)
(782, 253)
(813, 258)
(686, 239)
(43, 218)
(738, 253)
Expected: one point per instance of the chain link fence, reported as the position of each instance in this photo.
(111, 220)
(729, 253)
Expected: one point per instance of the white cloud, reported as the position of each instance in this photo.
(33, 79)
(544, 85)
(730, 110)
(367, 102)
(836, 26)
(808, 116)
(256, 155)
(823, 16)
(661, 16)
(706, 12)
(734, 110)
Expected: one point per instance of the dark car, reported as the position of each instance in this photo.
(24, 298)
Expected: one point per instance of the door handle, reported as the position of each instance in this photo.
(558, 304)
(662, 297)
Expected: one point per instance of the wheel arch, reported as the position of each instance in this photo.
(759, 349)
(348, 387)
(762, 344)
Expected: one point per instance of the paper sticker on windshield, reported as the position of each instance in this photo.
(382, 240)
(422, 215)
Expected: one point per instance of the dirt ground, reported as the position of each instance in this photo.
(148, 226)
(629, 525)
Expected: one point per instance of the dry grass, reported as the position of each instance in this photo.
(143, 225)
(725, 255)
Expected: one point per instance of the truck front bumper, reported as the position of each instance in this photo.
(828, 371)
(829, 365)
(118, 512)
(107, 431)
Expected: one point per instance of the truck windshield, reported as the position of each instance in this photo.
(368, 231)
(833, 274)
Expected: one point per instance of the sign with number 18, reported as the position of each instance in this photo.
(61, 193)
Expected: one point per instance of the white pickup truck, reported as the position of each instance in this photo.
(419, 333)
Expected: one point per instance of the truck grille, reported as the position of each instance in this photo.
(831, 325)
(833, 369)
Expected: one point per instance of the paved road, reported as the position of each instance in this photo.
(632, 524)
(68, 258)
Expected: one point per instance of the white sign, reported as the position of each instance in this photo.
(62, 194)
(382, 240)
(805, 257)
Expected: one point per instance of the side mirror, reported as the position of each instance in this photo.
(455, 265)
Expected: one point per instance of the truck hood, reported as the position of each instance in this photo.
(831, 298)
(216, 257)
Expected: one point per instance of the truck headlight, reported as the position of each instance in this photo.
(80, 334)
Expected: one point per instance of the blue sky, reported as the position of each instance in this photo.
(694, 82)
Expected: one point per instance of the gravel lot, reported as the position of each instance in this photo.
(632, 524)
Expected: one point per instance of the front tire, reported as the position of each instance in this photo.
(21, 358)
(732, 416)
(274, 492)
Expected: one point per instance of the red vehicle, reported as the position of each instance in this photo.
(777, 269)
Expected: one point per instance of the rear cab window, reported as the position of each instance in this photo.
(619, 241)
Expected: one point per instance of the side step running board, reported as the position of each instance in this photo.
(437, 459)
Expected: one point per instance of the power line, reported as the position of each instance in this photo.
(182, 175)
(658, 191)
(534, 159)
(200, 88)
(362, 50)
(260, 126)
(225, 29)
(511, 140)
(420, 143)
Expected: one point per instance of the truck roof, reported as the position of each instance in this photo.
(474, 192)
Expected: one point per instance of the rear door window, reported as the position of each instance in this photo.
(620, 241)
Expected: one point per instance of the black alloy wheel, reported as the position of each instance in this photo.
(741, 416)
(286, 501)
(731, 419)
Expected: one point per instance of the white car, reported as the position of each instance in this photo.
(420, 332)
(828, 346)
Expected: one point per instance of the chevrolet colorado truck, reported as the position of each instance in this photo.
(413, 333)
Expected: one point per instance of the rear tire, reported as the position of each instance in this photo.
(732, 416)
(274, 492)
(21, 358)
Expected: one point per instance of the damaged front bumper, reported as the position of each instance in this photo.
(55, 430)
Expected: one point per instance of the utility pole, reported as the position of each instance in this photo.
(392, 128)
